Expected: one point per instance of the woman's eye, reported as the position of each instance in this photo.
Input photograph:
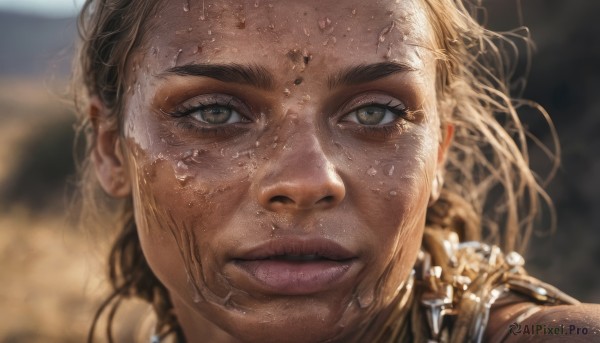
(216, 115)
(372, 115)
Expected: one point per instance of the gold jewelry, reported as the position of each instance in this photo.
(461, 281)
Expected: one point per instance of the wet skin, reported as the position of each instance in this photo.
(287, 128)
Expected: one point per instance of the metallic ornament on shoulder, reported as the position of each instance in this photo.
(461, 281)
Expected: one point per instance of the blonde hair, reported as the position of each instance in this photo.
(487, 165)
(488, 162)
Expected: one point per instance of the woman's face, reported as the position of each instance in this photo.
(281, 156)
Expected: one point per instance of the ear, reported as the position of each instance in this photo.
(438, 179)
(107, 155)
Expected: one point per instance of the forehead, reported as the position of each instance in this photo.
(238, 31)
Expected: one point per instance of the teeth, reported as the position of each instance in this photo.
(298, 257)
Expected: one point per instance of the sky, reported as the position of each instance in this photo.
(52, 8)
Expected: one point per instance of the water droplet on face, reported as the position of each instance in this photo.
(366, 300)
(186, 6)
(192, 155)
(181, 32)
(203, 15)
(182, 166)
(354, 11)
(391, 171)
(183, 173)
(384, 32)
(176, 58)
(256, 4)
(371, 171)
(388, 52)
(393, 193)
(196, 296)
(286, 92)
(324, 23)
(236, 155)
(227, 302)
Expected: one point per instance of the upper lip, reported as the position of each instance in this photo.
(281, 247)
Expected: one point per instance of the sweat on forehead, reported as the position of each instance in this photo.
(223, 31)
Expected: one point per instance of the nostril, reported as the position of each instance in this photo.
(327, 200)
(282, 199)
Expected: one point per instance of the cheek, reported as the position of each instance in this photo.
(391, 193)
(391, 184)
(182, 197)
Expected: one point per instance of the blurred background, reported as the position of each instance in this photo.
(51, 277)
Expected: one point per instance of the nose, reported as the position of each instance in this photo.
(301, 178)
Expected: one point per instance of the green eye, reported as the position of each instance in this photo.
(374, 115)
(371, 115)
(216, 115)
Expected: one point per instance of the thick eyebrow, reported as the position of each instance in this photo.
(363, 73)
(253, 75)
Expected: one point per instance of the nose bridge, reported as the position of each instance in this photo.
(300, 175)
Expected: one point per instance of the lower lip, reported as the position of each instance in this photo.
(295, 277)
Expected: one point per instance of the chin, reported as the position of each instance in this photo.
(299, 319)
(291, 329)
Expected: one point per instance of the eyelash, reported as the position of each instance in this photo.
(183, 113)
(186, 109)
(404, 115)
(187, 123)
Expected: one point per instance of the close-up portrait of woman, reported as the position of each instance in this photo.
(314, 171)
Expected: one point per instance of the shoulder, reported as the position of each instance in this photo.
(488, 296)
(518, 320)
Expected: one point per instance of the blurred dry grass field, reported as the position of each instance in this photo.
(50, 280)
(52, 274)
(50, 284)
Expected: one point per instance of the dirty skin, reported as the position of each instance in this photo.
(224, 166)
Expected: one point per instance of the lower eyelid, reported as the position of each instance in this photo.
(212, 131)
